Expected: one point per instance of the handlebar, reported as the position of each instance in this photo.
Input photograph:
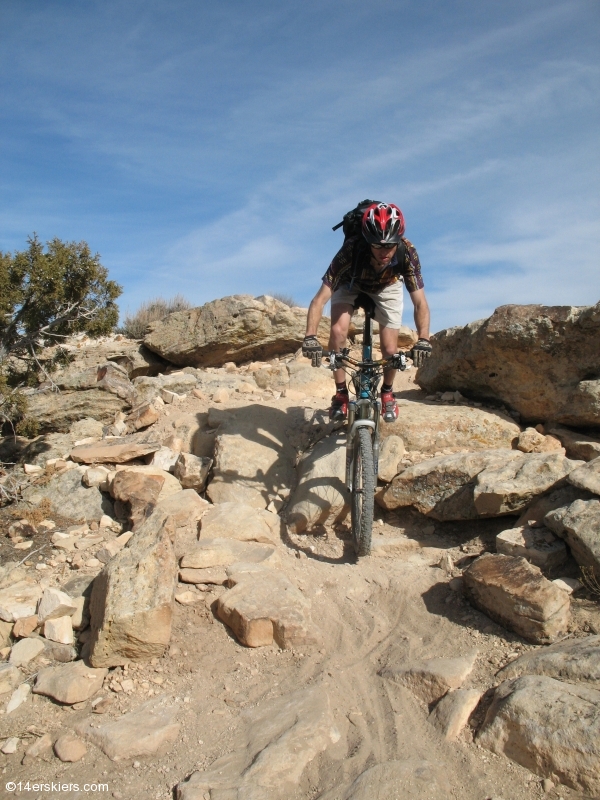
(340, 359)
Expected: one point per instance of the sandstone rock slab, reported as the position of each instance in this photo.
(537, 359)
(114, 451)
(516, 595)
(429, 428)
(578, 445)
(538, 545)
(25, 650)
(131, 606)
(587, 477)
(321, 495)
(59, 630)
(142, 732)
(391, 451)
(238, 521)
(573, 660)
(452, 713)
(431, 679)
(532, 441)
(70, 497)
(69, 683)
(265, 607)
(211, 553)
(280, 738)
(579, 525)
(58, 411)
(550, 727)
(238, 328)
(184, 511)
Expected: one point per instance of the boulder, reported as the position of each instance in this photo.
(431, 679)
(391, 451)
(279, 739)
(58, 411)
(587, 477)
(131, 606)
(538, 545)
(573, 660)
(192, 471)
(515, 594)
(69, 497)
(537, 359)
(321, 495)
(488, 483)
(264, 607)
(429, 428)
(535, 512)
(184, 511)
(550, 727)
(136, 494)
(25, 650)
(142, 732)
(69, 683)
(59, 630)
(577, 445)
(307, 381)
(452, 713)
(114, 451)
(170, 486)
(579, 525)
(253, 457)
(238, 329)
(214, 575)
(241, 522)
(210, 553)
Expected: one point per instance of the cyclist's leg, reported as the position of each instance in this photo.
(341, 315)
(388, 313)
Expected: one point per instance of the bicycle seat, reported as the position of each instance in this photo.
(366, 303)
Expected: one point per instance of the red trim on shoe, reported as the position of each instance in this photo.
(389, 407)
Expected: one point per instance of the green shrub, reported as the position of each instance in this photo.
(134, 325)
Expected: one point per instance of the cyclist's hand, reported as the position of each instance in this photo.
(398, 361)
(312, 348)
(420, 352)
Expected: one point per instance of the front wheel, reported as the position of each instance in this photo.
(363, 490)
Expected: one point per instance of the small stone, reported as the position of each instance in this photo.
(10, 677)
(25, 650)
(32, 469)
(18, 697)
(19, 600)
(23, 545)
(38, 748)
(192, 471)
(10, 746)
(568, 585)
(69, 748)
(188, 597)
(105, 521)
(433, 678)
(59, 630)
(547, 785)
(94, 476)
(54, 604)
(69, 683)
(452, 713)
(25, 626)
(221, 396)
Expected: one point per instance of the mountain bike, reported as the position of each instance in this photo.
(364, 417)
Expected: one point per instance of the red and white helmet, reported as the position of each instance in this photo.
(383, 223)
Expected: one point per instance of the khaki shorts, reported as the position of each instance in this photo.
(389, 302)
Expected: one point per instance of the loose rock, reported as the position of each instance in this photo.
(538, 545)
(453, 711)
(431, 679)
(516, 595)
(69, 748)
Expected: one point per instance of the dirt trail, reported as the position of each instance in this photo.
(369, 615)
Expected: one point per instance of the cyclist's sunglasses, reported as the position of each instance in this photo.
(384, 246)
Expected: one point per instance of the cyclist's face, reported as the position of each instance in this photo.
(383, 255)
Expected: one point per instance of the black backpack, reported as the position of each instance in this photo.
(352, 226)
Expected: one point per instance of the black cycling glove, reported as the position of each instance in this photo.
(312, 348)
(420, 352)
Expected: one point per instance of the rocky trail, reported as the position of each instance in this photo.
(181, 613)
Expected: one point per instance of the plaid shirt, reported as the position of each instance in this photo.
(367, 279)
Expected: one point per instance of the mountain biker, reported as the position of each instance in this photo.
(368, 263)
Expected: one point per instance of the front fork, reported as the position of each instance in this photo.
(360, 413)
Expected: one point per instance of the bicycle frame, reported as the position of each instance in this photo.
(365, 410)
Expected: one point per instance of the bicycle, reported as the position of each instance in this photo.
(364, 416)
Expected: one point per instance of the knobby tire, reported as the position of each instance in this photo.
(363, 491)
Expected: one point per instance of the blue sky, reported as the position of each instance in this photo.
(207, 149)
